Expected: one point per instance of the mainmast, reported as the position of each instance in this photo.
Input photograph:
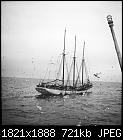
(74, 64)
(110, 22)
(63, 57)
(83, 62)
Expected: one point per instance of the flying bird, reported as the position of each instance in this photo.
(52, 63)
(96, 74)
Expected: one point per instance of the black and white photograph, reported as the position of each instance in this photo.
(61, 63)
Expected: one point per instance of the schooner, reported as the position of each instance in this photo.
(62, 86)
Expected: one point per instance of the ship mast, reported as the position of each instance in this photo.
(83, 62)
(110, 22)
(74, 64)
(63, 58)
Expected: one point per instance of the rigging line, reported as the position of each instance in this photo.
(89, 73)
(83, 62)
(66, 66)
(74, 61)
(86, 72)
(58, 73)
(45, 75)
(68, 78)
(63, 57)
(48, 77)
(47, 70)
(79, 73)
(82, 70)
(57, 63)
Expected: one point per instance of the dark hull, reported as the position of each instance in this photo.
(56, 91)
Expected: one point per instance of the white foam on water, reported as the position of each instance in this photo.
(79, 123)
(39, 107)
(66, 96)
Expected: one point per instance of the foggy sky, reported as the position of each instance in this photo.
(32, 35)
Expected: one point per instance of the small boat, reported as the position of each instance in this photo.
(66, 86)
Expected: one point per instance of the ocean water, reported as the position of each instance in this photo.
(23, 105)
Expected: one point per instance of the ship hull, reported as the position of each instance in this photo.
(55, 92)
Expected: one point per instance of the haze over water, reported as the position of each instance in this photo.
(32, 33)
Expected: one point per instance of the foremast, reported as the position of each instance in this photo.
(74, 62)
(83, 62)
(63, 58)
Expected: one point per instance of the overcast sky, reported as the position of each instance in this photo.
(32, 35)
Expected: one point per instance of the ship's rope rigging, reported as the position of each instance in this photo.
(65, 79)
(59, 70)
(68, 77)
(48, 70)
(78, 76)
(68, 72)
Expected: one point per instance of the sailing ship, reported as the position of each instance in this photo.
(67, 86)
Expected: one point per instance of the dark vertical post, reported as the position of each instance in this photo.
(83, 62)
(74, 63)
(110, 22)
(63, 58)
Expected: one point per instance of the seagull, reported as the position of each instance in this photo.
(96, 75)
(52, 63)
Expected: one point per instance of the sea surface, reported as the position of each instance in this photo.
(23, 105)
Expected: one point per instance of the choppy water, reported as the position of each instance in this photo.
(22, 105)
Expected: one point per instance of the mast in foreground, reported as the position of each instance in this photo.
(110, 22)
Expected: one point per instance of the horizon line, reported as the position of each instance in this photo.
(52, 79)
